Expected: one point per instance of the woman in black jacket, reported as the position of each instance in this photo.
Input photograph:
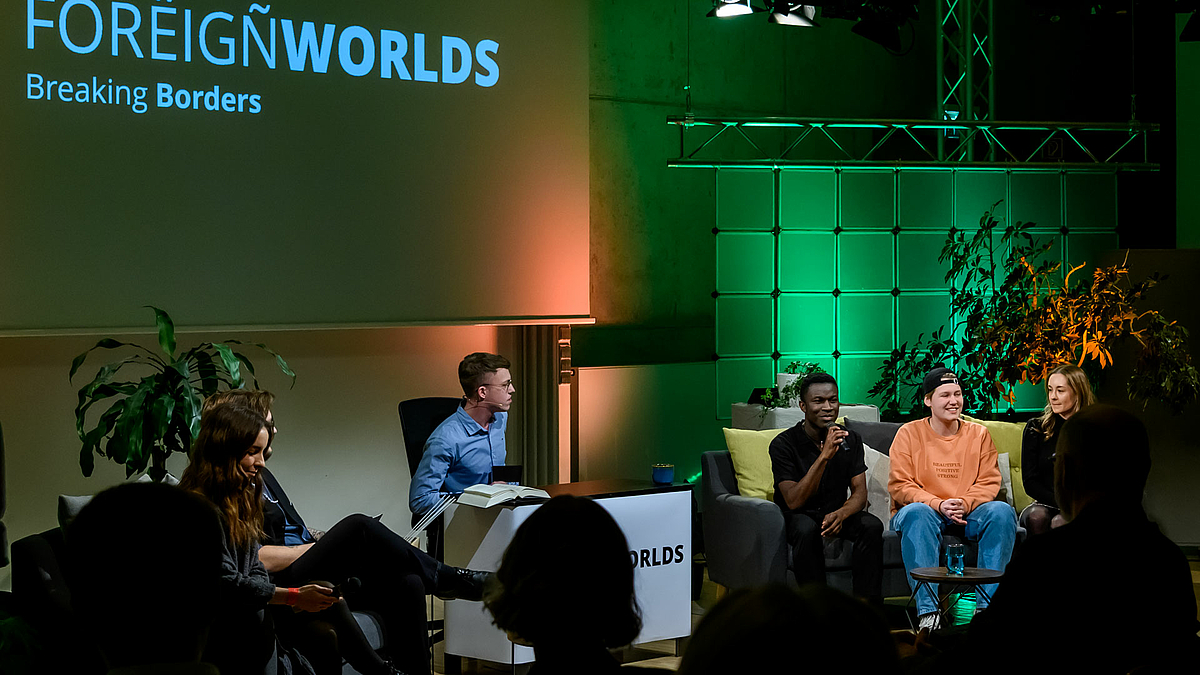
(1067, 392)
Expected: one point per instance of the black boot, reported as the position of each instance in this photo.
(457, 583)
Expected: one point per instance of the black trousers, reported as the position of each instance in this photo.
(808, 550)
(395, 578)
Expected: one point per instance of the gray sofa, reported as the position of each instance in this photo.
(745, 542)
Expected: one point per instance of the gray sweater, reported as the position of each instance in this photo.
(244, 581)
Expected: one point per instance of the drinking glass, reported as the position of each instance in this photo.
(954, 558)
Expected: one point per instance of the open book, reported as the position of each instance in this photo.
(484, 496)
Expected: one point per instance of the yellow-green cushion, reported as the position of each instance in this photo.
(752, 462)
(1007, 437)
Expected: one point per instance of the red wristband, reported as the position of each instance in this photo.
(293, 596)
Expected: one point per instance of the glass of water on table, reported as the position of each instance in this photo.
(954, 558)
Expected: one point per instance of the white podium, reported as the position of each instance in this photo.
(657, 522)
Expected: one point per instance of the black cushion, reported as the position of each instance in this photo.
(878, 435)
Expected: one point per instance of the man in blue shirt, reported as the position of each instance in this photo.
(463, 449)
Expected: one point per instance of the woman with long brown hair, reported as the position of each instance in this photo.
(226, 459)
(1067, 392)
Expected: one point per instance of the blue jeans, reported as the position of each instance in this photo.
(992, 524)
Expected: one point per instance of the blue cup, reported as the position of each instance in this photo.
(662, 474)
(955, 553)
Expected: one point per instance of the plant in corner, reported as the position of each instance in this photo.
(159, 413)
(1019, 317)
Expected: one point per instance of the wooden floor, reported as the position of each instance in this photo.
(662, 654)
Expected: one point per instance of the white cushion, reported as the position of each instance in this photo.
(879, 503)
(1006, 492)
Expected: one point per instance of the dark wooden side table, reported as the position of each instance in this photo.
(973, 577)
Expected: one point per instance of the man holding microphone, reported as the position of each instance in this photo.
(814, 464)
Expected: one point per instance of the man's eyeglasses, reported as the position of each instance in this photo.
(502, 385)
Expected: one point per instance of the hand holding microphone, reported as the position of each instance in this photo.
(835, 440)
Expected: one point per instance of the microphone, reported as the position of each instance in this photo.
(844, 446)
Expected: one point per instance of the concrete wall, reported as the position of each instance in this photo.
(1171, 496)
(652, 249)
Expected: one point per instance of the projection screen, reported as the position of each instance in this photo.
(382, 162)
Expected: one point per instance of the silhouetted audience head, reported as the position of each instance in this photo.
(811, 629)
(144, 564)
(1103, 455)
(566, 579)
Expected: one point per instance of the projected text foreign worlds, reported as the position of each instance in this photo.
(170, 33)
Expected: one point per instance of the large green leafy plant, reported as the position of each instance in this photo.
(149, 418)
(1018, 316)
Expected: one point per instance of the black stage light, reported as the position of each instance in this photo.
(793, 14)
(724, 9)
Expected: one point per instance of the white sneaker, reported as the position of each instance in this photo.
(932, 621)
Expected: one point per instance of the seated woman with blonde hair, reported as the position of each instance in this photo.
(1067, 392)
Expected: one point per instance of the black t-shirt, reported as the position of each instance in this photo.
(793, 454)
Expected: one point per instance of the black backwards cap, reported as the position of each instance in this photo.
(936, 378)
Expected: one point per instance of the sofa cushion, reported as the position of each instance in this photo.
(751, 461)
(69, 506)
(879, 503)
(1005, 494)
(1007, 437)
(878, 435)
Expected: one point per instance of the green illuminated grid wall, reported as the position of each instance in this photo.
(839, 266)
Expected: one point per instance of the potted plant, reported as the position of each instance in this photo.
(149, 418)
(1019, 318)
(787, 385)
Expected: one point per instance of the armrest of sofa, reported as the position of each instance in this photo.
(744, 541)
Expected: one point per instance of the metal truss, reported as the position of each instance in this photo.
(966, 87)
(817, 142)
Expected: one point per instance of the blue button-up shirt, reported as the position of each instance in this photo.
(458, 454)
(294, 534)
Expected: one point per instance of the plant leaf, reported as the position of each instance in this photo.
(249, 368)
(100, 393)
(160, 415)
(108, 343)
(206, 368)
(283, 366)
(166, 331)
(125, 444)
(191, 412)
(232, 365)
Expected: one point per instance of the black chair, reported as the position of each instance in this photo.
(418, 418)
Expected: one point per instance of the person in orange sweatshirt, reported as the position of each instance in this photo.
(944, 475)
